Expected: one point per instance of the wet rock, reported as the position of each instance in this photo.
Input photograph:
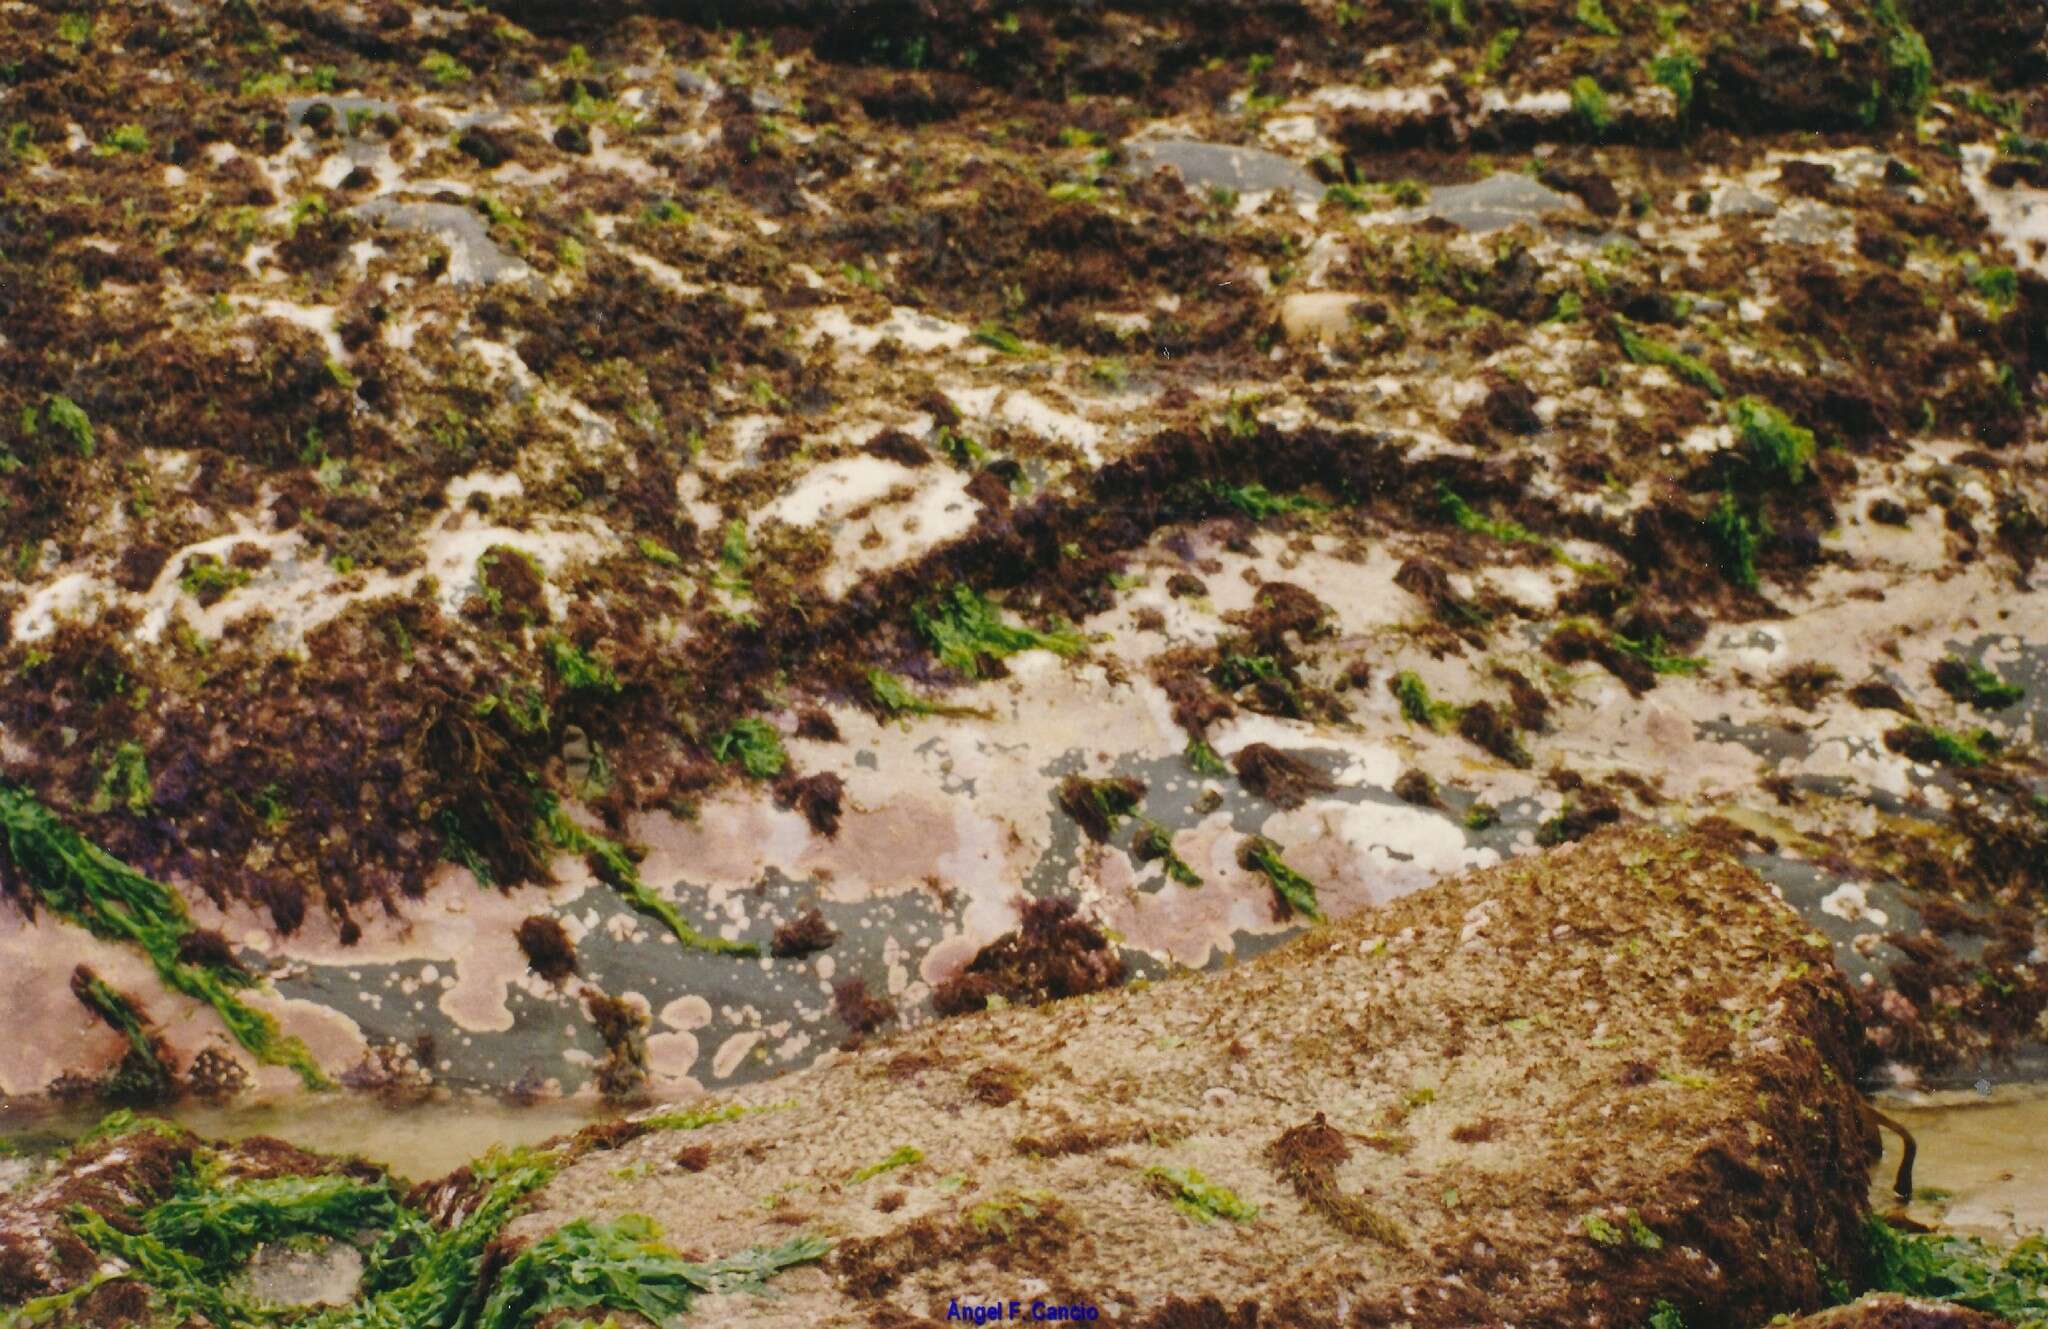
(474, 258)
(1315, 316)
(1501, 200)
(1224, 166)
(326, 1273)
(1742, 201)
(1888, 1310)
(1513, 1077)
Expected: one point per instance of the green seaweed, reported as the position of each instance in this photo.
(959, 449)
(1779, 452)
(2012, 1283)
(142, 1075)
(1203, 759)
(580, 670)
(622, 1265)
(84, 884)
(755, 746)
(1974, 685)
(962, 627)
(221, 1226)
(65, 416)
(1258, 502)
(1945, 746)
(613, 866)
(1589, 103)
(1297, 891)
(124, 782)
(1735, 537)
(1418, 706)
(1909, 66)
(1592, 15)
(1643, 350)
(903, 1156)
(693, 1119)
(1155, 844)
(893, 695)
(1463, 514)
(1198, 1197)
(205, 578)
(1652, 653)
(1676, 71)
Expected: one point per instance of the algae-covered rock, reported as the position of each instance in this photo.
(1554, 1092)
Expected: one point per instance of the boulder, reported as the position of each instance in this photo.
(1556, 1091)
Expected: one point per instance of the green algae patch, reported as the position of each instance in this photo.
(2011, 1283)
(753, 745)
(901, 1157)
(1779, 452)
(222, 1226)
(1974, 685)
(962, 627)
(1198, 1197)
(895, 698)
(694, 1119)
(1643, 350)
(1417, 706)
(622, 1265)
(614, 866)
(1297, 892)
(83, 884)
(580, 670)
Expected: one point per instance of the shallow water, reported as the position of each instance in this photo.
(417, 1141)
(1981, 1168)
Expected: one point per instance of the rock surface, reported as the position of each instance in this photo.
(1551, 1092)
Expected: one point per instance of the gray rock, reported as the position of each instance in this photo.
(694, 84)
(326, 1274)
(474, 258)
(1742, 201)
(1499, 201)
(1206, 165)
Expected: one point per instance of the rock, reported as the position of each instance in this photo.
(1514, 1097)
(1214, 165)
(1742, 201)
(326, 1273)
(1496, 203)
(474, 258)
(1313, 316)
(1889, 1311)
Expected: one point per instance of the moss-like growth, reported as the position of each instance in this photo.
(1937, 746)
(903, 1156)
(1295, 891)
(1589, 103)
(1677, 71)
(124, 782)
(2012, 1284)
(1974, 685)
(1735, 538)
(963, 628)
(754, 745)
(1592, 15)
(1417, 705)
(206, 579)
(1256, 501)
(622, 1265)
(1155, 845)
(1652, 653)
(614, 867)
(444, 68)
(580, 670)
(894, 697)
(1643, 350)
(65, 417)
(1198, 1197)
(1202, 758)
(83, 883)
(1779, 452)
(1909, 67)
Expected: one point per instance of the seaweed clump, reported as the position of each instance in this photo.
(1054, 953)
(1097, 806)
(1281, 778)
(84, 884)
